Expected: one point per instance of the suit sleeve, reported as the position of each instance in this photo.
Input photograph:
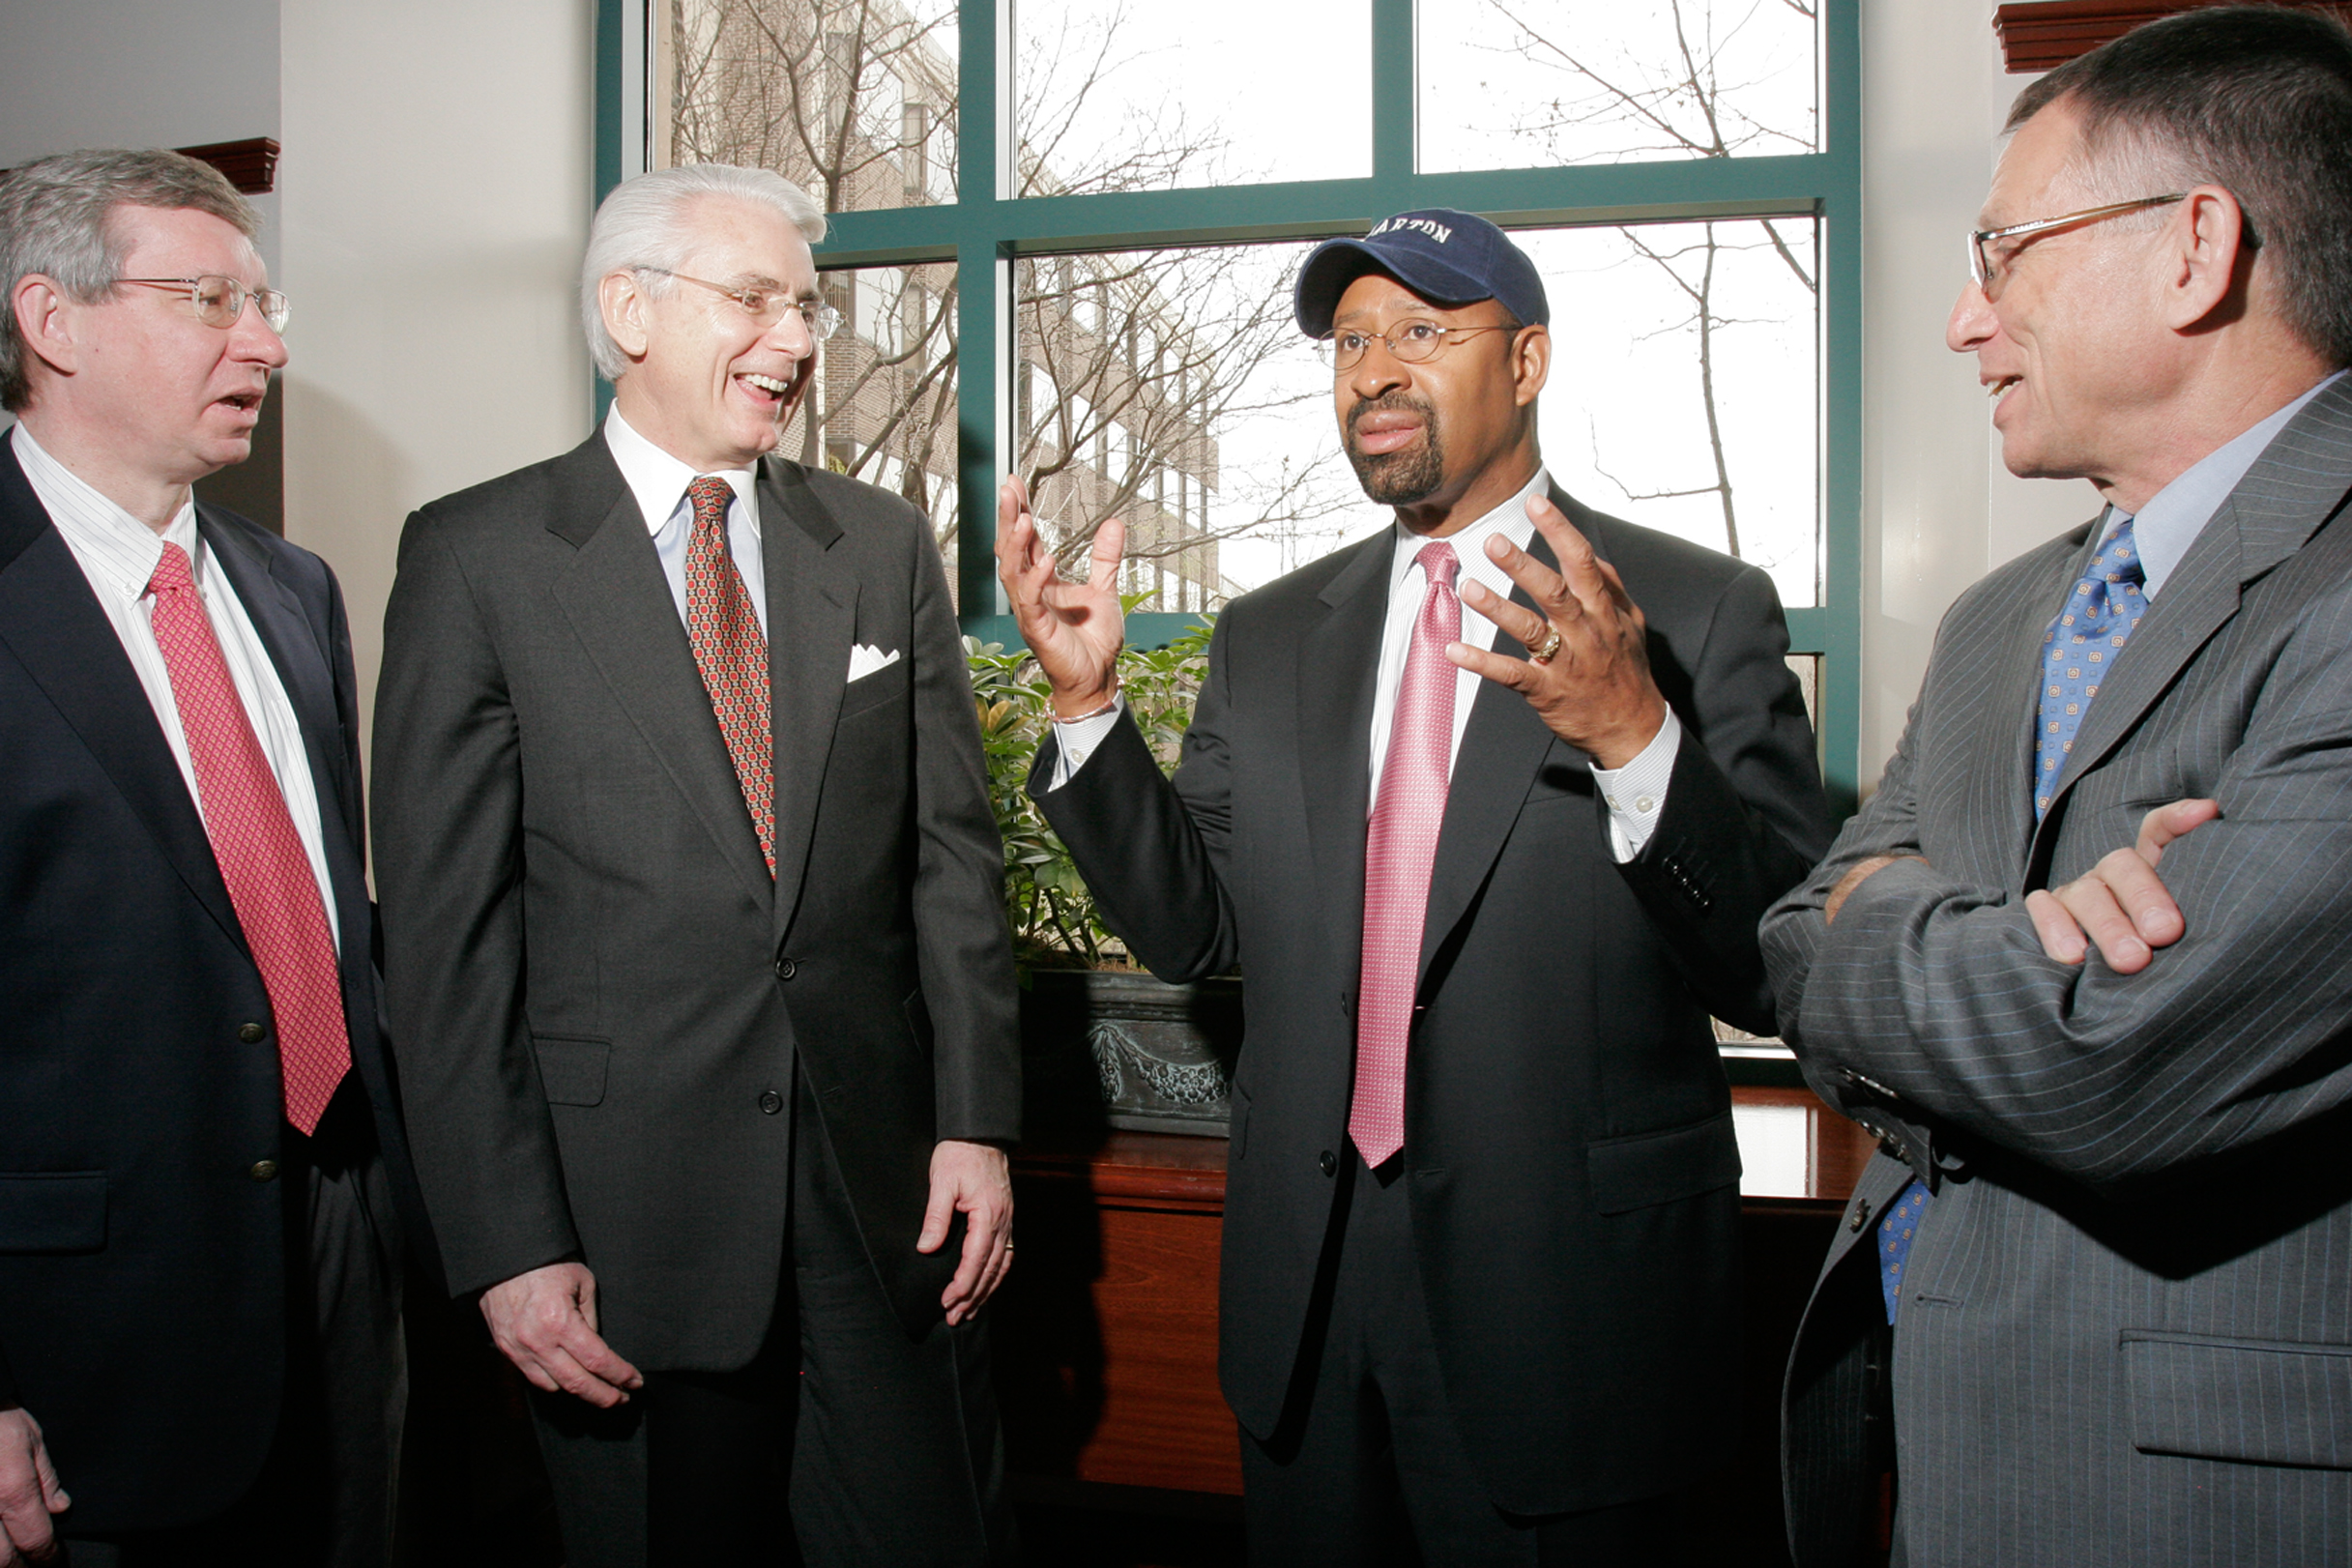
(964, 949)
(1934, 997)
(449, 873)
(1155, 853)
(1744, 817)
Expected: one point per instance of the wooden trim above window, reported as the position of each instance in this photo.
(2040, 35)
(251, 164)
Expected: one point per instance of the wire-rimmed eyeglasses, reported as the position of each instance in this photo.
(1411, 340)
(220, 301)
(1990, 251)
(765, 305)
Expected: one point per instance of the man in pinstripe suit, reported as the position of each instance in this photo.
(2085, 961)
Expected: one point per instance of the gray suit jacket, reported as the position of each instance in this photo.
(598, 995)
(2126, 1333)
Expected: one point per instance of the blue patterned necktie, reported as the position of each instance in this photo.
(2081, 645)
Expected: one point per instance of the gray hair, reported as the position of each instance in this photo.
(56, 219)
(643, 223)
(2255, 98)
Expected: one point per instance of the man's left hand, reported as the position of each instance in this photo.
(975, 1179)
(1595, 690)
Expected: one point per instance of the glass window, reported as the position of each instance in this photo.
(1162, 98)
(852, 100)
(1505, 83)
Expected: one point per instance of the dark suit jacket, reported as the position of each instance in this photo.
(1568, 1132)
(597, 993)
(142, 1296)
(2126, 1333)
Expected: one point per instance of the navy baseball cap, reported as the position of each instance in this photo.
(1446, 257)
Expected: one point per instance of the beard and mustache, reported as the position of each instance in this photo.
(1410, 473)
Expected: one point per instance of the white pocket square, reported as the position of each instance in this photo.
(865, 659)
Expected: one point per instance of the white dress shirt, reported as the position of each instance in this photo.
(118, 554)
(1634, 793)
(659, 481)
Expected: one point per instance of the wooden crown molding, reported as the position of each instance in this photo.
(251, 164)
(2042, 35)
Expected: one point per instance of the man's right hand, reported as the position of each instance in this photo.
(2120, 906)
(1075, 629)
(29, 1492)
(545, 1323)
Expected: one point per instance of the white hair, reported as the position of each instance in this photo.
(644, 223)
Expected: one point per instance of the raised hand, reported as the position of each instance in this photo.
(1075, 629)
(1587, 668)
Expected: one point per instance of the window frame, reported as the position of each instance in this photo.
(985, 228)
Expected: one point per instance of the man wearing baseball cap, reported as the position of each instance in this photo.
(1485, 808)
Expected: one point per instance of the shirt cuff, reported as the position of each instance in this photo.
(1075, 742)
(1636, 792)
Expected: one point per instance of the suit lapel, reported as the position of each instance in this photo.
(1339, 666)
(812, 621)
(1501, 749)
(618, 605)
(285, 631)
(52, 623)
(2297, 484)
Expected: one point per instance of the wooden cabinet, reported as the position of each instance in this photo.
(1106, 1334)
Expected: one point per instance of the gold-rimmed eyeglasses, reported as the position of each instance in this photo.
(1992, 250)
(220, 301)
(765, 305)
(1412, 342)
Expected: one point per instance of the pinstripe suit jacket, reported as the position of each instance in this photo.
(2126, 1330)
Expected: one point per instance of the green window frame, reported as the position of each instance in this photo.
(982, 231)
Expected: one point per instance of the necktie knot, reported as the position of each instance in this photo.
(710, 496)
(1438, 563)
(172, 573)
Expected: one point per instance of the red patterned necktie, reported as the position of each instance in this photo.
(1398, 851)
(271, 884)
(732, 655)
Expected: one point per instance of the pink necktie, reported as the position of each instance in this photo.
(270, 880)
(1397, 854)
(732, 655)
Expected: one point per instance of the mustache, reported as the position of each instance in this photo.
(1389, 402)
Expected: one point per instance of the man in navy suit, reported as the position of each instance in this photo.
(200, 1350)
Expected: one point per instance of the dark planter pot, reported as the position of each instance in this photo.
(1111, 1049)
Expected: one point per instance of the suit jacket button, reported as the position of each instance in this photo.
(771, 1101)
(251, 1034)
(786, 969)
(1328, 1161)
(263, 1170)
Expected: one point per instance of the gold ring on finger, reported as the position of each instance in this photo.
(1540, 653)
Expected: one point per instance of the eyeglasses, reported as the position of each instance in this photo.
(1988, 265)
(766, 306)
(1411, 341)
(220, 300)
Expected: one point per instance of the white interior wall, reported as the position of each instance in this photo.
(1938, 507)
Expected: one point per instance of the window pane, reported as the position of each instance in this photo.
(1508, 84)
(883, 407)
(852, 100)
(1685, 388)
(1170, 389)
(1218, 92)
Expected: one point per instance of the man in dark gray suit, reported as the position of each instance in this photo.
(1488, 859)
(691, 893)
(2085, 961)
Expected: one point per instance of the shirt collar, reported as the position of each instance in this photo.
(2176, 514)
(1510, 519)
(659, 481)
(121, 549)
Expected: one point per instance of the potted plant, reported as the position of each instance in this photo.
(1103, 1042)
